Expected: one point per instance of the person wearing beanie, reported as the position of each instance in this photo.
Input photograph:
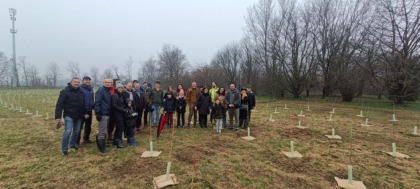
(213, 93)
(130, 118)
(218, 111)
(118, 112)
(181, 109)
(203, 107)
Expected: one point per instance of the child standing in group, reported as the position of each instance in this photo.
(130, 119)
(218, 112)
(169, 107)
(181, 108)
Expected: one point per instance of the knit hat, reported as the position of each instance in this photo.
(181, 92)
(119, 85)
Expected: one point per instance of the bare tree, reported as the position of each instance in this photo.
(94, 71)
(33, 75)
(249, 67)
(74, 69)
(4, 68)
(108, 73)
(150, 70)
(396, 26)
(52, 75)
(172, 64)
(115, 69)
(128, 68)
(228, 59)
(24, 67)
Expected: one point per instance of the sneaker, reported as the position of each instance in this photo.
(73, 149)
(64, 153)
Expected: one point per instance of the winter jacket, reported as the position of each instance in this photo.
(181, 105)
(118, 105)
(169, 105)
(89, 100)
(103, 101)
(213, 93)
(156, 97)
(204, 104)
(135, 99)
(129, 118)
(72, 101)
(219, 111)
(192, 95)
(233, 97)
(244, 103)
(251, 99)
(140, 104)
(146, 94)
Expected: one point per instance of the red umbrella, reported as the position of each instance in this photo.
(161, 125)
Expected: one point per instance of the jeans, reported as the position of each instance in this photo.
(156, 112)
(72, 126)
(219, 126)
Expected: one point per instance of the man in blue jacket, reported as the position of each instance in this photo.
(87, 120)
(72, 102)
(103, 111)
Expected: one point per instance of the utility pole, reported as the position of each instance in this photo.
(15, 77)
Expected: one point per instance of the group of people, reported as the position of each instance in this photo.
(121, 110)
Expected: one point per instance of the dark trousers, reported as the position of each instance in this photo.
(169, 118)
(180, 115)
(120, 129)
(111, 125)
(138, 120)
(202, 120)
(87, 126)
(129, 131)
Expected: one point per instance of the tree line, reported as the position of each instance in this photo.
(291, 48)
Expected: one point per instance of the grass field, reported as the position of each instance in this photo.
(31, 150)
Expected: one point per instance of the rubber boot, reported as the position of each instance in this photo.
(102, 145)
(97, 143)
(132, 141)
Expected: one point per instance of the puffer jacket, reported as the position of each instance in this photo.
(219, 111)
(103, 101)
(72, 101)
(169, 105)
(88, 92)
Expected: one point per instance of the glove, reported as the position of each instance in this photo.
(86, 116)
(134, 114)
(98, 118)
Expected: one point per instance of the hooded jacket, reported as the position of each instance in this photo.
(72, 101)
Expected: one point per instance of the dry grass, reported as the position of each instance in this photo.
(31, 151)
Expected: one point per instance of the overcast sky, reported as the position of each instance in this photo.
(102, 33)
